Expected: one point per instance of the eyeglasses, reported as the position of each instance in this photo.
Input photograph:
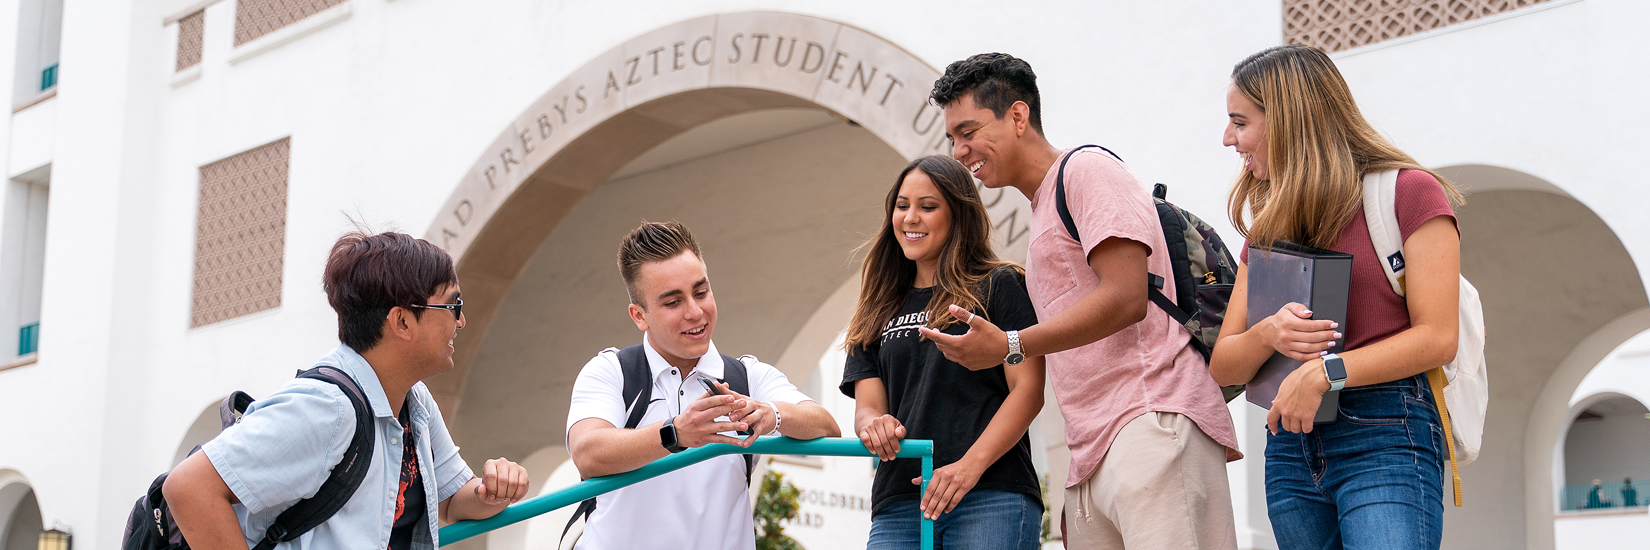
(457, 309)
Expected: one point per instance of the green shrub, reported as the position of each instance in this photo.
(774, 503)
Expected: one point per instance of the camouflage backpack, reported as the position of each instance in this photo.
(1203, 269)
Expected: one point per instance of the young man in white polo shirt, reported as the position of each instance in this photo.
(706, 505)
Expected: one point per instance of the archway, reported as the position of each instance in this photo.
(1560, 292)
(1607, 440)
(205, 427)
(661, 128)
(20, 519)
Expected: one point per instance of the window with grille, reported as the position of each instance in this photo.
(1335, 25)
(190, 32)
(240, 234)
(255, 18)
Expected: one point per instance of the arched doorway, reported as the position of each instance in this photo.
(773, 136)
(206, 426)
(1560, 292)
(1606, 442)
(608, 113)
(774, 252)
(20, 519)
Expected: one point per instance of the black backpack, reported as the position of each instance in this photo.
(1203, 270)
(638, 394)
(150, 526)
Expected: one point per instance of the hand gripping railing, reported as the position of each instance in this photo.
(828, 446)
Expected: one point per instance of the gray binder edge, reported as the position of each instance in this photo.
(1331, 287)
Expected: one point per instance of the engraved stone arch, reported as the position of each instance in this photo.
(654, 87)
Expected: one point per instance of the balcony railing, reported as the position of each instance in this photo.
(830, 446)
(28, 339)
(48, 77)
(1607, 496)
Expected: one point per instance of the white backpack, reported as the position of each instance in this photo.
(1465, 382)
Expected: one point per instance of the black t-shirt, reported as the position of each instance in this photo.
(942, 401)
(410, 509)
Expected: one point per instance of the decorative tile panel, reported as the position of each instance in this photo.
(1335, 25)
(190, 30)
(255, 18)
(240, 234)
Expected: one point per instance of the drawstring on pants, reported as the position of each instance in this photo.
(1082, 502)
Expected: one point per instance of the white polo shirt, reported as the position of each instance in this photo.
(703, 506)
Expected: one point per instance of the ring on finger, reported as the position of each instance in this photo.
(970, 320)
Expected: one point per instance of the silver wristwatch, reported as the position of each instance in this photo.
(1015, 356)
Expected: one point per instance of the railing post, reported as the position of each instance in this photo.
(927, 524)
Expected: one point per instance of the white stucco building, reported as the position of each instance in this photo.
(175, 171)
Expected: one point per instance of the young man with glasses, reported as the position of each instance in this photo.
(389, 291)
(706, 505)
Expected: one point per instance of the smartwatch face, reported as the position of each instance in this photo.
(1336, 368)
(667, 437)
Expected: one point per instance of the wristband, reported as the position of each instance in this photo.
(776, 419)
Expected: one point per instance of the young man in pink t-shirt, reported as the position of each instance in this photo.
(1148, 431)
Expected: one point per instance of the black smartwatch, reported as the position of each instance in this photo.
(667, 437)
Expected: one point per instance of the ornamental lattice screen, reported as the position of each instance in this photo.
(240, 234)
(1335, 25)
(255, 18)
(190, 32)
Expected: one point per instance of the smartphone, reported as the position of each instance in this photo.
(714, 390)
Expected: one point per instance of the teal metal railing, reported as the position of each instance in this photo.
(1608, 495)
(28, 339)
(48, 77)
(829, 446)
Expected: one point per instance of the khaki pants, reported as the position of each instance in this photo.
(1162, 486)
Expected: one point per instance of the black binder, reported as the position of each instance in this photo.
(1289, 272)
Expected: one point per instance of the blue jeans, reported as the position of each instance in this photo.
(984, 519)
(1373, 479)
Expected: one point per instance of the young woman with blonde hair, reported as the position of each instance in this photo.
(1374, 478)
(934, 250)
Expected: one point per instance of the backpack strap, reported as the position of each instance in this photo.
(233, 408)
(346, 476)
(1060, 190)
(638, 384)
(738, 380)
(1179, 315)
(1154, 283)
(637, 394)
(1436, 379)
(1381, 213)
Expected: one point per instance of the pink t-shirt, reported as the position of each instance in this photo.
(1373, 311)
(1146, 367)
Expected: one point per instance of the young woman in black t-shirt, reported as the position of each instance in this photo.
(934, 250)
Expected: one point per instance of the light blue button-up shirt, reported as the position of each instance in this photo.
(287, 444)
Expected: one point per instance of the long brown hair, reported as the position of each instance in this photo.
(1318, 148)
(965, 261)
